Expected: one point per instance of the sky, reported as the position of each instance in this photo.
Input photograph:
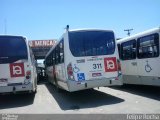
(46, 19)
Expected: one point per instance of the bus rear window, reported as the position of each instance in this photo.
(91, 43)
(12, 49)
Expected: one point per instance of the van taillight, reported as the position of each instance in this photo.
(119, 67)
(70, 72)
(28, 74)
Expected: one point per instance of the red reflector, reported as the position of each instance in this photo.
(116, 78)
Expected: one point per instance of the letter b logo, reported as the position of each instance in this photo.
(17, 69)
(110, 64)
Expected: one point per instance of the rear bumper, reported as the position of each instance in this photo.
(18, 88)
(75, 86)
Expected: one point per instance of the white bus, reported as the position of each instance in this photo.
(83, 59)
(17, 65)
(140, 60)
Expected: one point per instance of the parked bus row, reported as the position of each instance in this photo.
(82, 59)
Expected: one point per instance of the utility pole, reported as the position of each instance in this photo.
(128, 31)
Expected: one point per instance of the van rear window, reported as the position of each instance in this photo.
(12, 49)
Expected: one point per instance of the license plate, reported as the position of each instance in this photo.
(96, 74)
(3, 82)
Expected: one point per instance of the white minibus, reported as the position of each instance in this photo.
(17, 65)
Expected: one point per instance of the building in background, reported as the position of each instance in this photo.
(41, 47)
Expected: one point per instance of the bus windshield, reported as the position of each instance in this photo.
(91, 43)
(12, 49)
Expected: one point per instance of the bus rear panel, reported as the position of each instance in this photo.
(16, 73)
(92, 60)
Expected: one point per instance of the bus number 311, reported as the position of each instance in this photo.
(97, 66)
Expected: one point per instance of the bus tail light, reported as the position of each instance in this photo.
(28, 74)
(70, 72)
(119, 67)
(28, 77)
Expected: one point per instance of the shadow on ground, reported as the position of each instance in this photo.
(16, 100)
(152, 92)
(82, 99)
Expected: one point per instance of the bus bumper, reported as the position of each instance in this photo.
(87, 84)
(17, 88)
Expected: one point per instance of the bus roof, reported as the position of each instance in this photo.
(12, 36)
(90, 29)
(139, 34)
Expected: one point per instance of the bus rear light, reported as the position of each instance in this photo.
(70, 72)
(119, 65)
(28, 73)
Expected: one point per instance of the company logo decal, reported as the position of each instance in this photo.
(17, 70)
(110, 64)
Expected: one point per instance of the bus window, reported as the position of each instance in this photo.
(128, 50)
(53, 57)
(57, 54)
(61, 46)
(12, 49)
(148, 46)
(91, 43)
